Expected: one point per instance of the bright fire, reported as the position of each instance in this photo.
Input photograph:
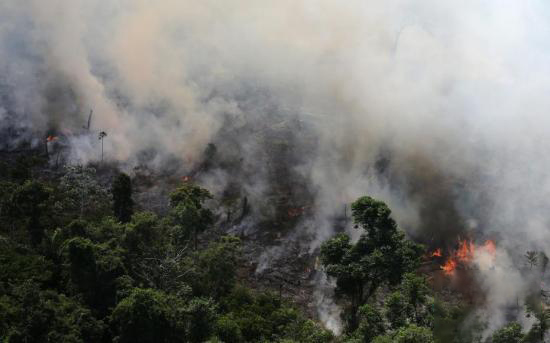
(449, 266)
(51, 138)
(464, 254)
(490, 247)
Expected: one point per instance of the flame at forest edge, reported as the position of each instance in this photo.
(465, 254)
(437, 253)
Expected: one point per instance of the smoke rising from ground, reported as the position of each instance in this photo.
(438, 108)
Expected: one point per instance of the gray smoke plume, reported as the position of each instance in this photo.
(438, 108)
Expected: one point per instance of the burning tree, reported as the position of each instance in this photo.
(49, 139)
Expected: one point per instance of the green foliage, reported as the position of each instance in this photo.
(213, 270)
(371, 323)
(18, 267)
(265, 318)
(147, 315)
(381, 255)
(21, 169)
(108, 229)
(510, 333)
(395, 309)
(201, 318)
(31, 315)
(81, 262)
(188, 212)
(144, 236)
(228, 330)
(29, 205)
(407, 311)
(449, 323)
(93, 270)
(536, 334)
(6, 190)
(413, 334)
(81, 194)
(76, 228)
(383, 339)
(374, 217)
(73, 272)
(308, 331)
(122, 198)
(415, 290)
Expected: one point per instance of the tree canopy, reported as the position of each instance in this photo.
(81, 266)
(381, 255)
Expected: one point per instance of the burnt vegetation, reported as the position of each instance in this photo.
(87, 256)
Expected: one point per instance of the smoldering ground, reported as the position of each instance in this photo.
(438, 108)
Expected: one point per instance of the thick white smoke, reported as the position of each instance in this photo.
(453, 94)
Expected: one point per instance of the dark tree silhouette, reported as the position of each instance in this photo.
(123, 205)
(101, 137)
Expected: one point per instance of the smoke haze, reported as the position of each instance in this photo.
(438, 108)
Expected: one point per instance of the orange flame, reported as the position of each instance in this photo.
(449, 266)
(437, 253)
(490, 247)
(51, 138)
(465, 254)
(186, 179)
(466, 250)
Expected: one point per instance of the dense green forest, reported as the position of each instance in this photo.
(80, 264)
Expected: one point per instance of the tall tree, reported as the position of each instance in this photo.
(30, 203)
(101, 137)
(123, 205)
(382, 254)
(188, 211)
